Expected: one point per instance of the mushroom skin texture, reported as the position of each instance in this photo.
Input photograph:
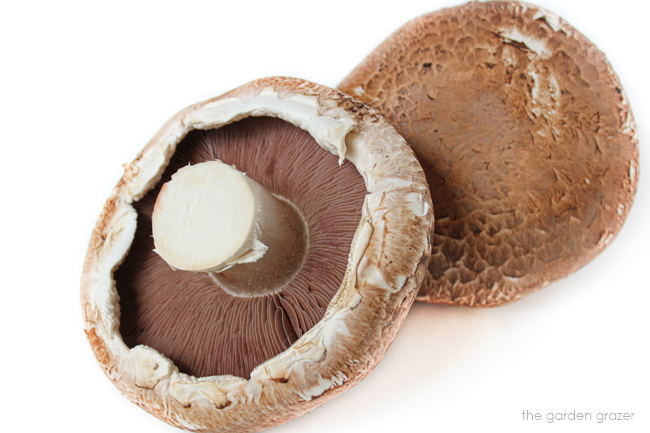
(387, 263)
(525, 135)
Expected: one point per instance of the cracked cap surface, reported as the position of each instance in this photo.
(526, 138)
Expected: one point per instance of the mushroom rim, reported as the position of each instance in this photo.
(397, 206)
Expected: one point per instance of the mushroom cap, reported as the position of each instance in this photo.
(526, 138)
(387, 262)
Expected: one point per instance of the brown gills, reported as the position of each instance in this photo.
(189, 319)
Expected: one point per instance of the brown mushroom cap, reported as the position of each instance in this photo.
(526, 138)
(386, 260)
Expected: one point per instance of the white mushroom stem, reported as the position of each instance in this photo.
(212, 218)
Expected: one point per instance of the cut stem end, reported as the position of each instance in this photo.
(213, 218)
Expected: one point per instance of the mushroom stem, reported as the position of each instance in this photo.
(212, 218)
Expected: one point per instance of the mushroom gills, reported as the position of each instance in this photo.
(180, 347)
(188, 317)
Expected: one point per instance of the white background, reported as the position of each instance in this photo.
(84, 85)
